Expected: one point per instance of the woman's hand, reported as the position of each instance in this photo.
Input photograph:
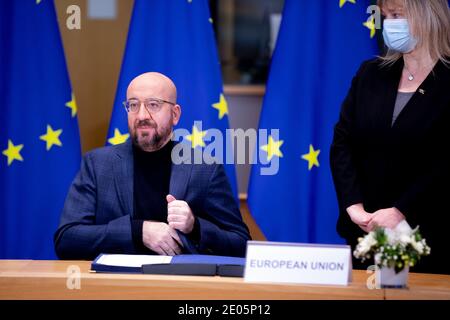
(386, 218)
(359, 216)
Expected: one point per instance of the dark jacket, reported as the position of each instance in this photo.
(405, 165)
(99, 207)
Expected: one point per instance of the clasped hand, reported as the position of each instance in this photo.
(162, 237)
(387, 218)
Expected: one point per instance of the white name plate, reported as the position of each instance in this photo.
(280, 262)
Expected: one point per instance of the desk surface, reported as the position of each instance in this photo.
(32, 279)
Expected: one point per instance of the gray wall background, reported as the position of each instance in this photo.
(244, 110)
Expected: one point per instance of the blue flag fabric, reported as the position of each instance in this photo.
(176, 38)
(319, 49)
(39, 138)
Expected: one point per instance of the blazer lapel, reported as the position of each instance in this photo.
(391, 82)
(123, 167)
(420, 99)
(179, 179)
(123, 176)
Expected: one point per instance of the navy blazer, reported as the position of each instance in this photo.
(98, 209)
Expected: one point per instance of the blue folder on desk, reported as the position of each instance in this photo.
(185, 264)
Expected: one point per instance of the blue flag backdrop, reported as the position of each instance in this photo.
(320, 47)
(39, 139)
(176, 38)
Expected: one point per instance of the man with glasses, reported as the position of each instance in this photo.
(131, 198)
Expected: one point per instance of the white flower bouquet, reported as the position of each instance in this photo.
(398, 248)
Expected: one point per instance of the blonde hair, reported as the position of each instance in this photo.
(430, 24)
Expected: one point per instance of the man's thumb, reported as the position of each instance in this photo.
(170, 198)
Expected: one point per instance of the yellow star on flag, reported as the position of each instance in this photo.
(370, 24)
(342, 2)
(13, 152)
(72, 104)
(222, 106)
(311, 157)
(118, 138)
(273, 148)
(196, 137)
(38, 1)
(51, 137)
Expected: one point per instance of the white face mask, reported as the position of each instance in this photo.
(397, 35)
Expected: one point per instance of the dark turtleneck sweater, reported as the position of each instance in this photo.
(151, 186)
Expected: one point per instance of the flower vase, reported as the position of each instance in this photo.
(388, 278)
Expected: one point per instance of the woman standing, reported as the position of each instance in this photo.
(389, 155)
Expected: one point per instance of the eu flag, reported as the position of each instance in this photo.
(319, 48)
(176, 38)
(39, 138)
